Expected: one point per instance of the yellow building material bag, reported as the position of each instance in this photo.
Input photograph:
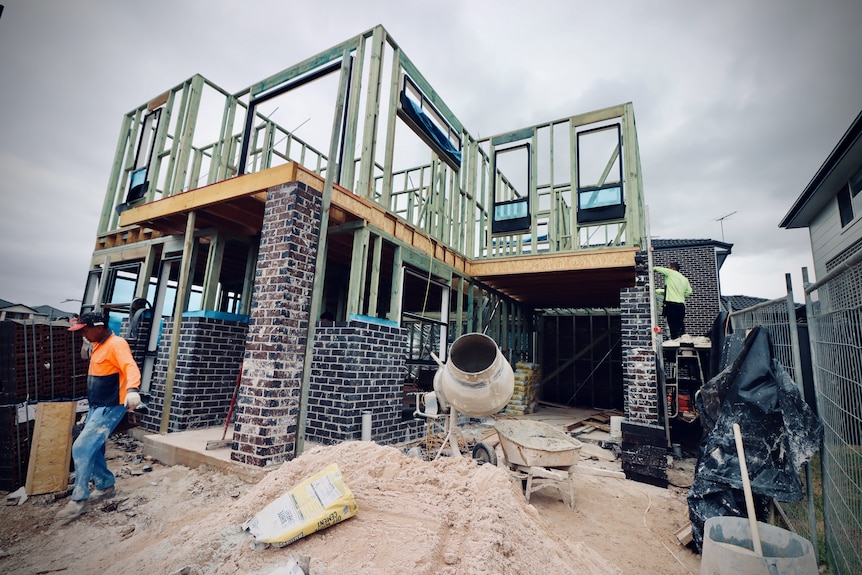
(318, 502)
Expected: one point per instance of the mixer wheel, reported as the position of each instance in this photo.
(484, 453)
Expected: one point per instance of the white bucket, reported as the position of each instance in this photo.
(616, 428)
(476, 380)
(727, 549)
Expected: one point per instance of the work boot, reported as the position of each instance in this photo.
(72, 510)
(101, 494)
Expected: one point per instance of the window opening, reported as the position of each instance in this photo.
(600, 175)
(251, 115)
(511, 183)
(138, 182)
(121, 285)
(429, 124)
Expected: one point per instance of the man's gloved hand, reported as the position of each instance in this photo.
(133, 400)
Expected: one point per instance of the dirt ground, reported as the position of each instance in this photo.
(449, 516)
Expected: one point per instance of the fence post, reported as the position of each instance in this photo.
(797, 369)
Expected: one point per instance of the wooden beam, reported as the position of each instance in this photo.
(221, 192)
(545, 263)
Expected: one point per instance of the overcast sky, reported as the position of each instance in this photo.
(737, 103)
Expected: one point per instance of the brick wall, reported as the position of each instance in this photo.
(268, 402)
(358, 367)
(699, 266)
(208, 362)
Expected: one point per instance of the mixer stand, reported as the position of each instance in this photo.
(453, 433)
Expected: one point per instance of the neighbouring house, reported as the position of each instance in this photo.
(830, 206)
(700, 261)
(8, 310)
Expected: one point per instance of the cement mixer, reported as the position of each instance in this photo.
(477, 381)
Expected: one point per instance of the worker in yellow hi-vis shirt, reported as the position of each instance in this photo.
(676, 290)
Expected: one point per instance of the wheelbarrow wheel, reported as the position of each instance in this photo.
(484, 453)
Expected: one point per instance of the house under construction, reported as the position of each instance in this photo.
(345, 185)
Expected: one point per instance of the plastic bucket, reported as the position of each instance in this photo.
(476, 380)
(727, 549)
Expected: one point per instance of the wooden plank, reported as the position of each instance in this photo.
(51, 450)
(593, 450)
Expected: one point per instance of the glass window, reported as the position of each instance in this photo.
(845, 206)
(611, 196)
(856, 183)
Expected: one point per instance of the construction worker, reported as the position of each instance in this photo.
(113, 381)
(676, 290)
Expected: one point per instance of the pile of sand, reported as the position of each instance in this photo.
(448, 516)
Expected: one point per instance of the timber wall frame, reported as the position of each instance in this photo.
(453, 207)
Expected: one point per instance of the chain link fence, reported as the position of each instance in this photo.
(834, 309)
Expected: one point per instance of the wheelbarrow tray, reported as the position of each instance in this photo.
(535, 444)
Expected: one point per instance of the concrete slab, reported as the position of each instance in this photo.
(189, 448)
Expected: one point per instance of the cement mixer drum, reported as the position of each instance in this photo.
(476, 380)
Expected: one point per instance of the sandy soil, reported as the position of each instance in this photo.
(449, 516)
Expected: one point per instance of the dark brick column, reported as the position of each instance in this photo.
(639, 366)
(643, 448)
(268, 403)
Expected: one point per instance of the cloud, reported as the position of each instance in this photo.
(737, 103)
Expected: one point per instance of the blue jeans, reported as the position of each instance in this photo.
(88, 451)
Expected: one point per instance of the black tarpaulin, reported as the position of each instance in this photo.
(779, 432)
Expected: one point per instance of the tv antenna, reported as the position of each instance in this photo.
(721, 222)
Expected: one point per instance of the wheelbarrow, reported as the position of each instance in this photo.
(539, 455)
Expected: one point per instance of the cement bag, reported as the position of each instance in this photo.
(318, 502)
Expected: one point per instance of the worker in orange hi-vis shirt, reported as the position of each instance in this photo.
(113, 381)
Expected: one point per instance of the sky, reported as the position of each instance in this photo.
(737, 103)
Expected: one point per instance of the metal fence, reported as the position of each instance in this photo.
(778, 317)
(834, 310)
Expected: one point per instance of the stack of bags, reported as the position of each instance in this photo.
(525, 398)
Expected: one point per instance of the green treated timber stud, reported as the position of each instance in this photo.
(372, 111)
(321, 59)
(356, 290)
(176, 139)
(320, 258)
(391, 120)
(159, 145)
(179, 306)
(348, 162)
(397, 281)
(111, 194)
(215, 256)
(188, 134)
(375, 275)
(248, 278)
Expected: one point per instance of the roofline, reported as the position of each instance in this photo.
(697, 244)
(835, 156)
